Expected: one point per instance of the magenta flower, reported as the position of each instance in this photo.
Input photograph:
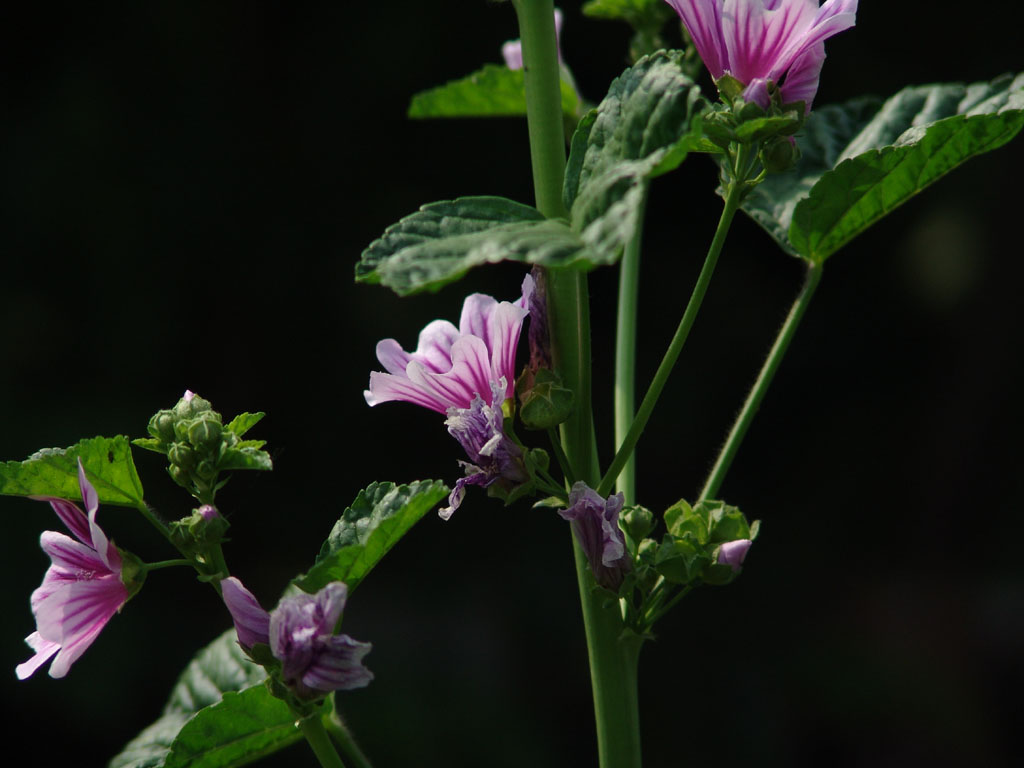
(300, 633)
(766, 41)
(595, 524)
(82, 588)
(452, 366)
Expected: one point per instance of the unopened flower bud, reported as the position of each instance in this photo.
(204, 432)
(206, 470)
(181, 455)
(779, 154)
(732, 553)
(638, 522)
(161, 426)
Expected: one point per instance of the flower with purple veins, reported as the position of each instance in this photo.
(759, 42)
(452, 366)
(300, 633)
(82, 588)
(493, 456)
(595, 524)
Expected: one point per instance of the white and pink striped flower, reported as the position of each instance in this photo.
(82, 588)
(766, 41)
(452, 366)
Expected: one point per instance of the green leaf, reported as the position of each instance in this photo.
(627, 10)
(643, 128)
(493, 91)
(380, 515)
(245, 458)
(243, 422)
(54, 472)
(151, 444)
(442, 241)
(219, 714)
(859, 162)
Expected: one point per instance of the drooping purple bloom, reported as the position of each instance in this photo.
(595, 524)
(452, 366)
(82, 588)
(300, 633)
(732, 553)
(493, 457)
(512, 51)
(762, 41)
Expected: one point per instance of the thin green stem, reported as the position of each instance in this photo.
(312, 728)
(563, 460)
(625, 353)
(764, 380)
(350, 751)
(732, 202)
(147, 567)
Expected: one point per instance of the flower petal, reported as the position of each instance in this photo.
(44, 651)
(89, 497)
(339, 666)
(78, 559)
(703, 20)
(252, 623)
(75, 614)
(801, 83)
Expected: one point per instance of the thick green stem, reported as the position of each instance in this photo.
(732, 202)
(613, 659)
(625, 354)
(313, 729)
(764, 380)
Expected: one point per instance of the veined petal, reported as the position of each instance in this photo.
(75, 614)
(385, 387)
(330, 602)
(72, 556)
(757, 37)
(470, 374)
(89, 497)
(801, 83)
(703, 20)
(73, 517)
(252, 623)
(45, 649)
(434, 349)
(339, 665)
(832, 18)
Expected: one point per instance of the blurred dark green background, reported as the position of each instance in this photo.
(184, 188)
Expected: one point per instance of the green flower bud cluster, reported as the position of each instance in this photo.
(199, 446)
(689, 551)
(196, 534)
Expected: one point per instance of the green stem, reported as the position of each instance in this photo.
(147, 567)
(350, 751)
(563, 460)
(764, 380)
(625, 353)
(732, 202)
(613, 655)
(313, 729)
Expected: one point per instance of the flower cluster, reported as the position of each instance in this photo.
(82, 589)
(466, 373)
(301, 635)
(766, 44)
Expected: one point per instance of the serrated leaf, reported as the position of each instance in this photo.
(860, 162)
(219, 714)
(151, 444)
(644, 127)
(493, 91)
(243, 422)
(380, 515)
(442, 241)
(54, 472)
(245, 458)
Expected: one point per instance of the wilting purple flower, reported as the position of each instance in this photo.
(595, 524)
(492, 455)
(732, 553)
(762, 41)
(452, 366)
(300, 633)
(512, 51)
(82, 588)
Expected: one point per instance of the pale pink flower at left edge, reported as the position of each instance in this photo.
(762, 41)
(466, 373)
(82, 588)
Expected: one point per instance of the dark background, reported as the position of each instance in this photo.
(184, 188)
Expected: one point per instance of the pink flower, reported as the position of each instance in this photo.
(82, 588)
(762, 41)
(300, 632)
(452, 366)
(732, 553)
